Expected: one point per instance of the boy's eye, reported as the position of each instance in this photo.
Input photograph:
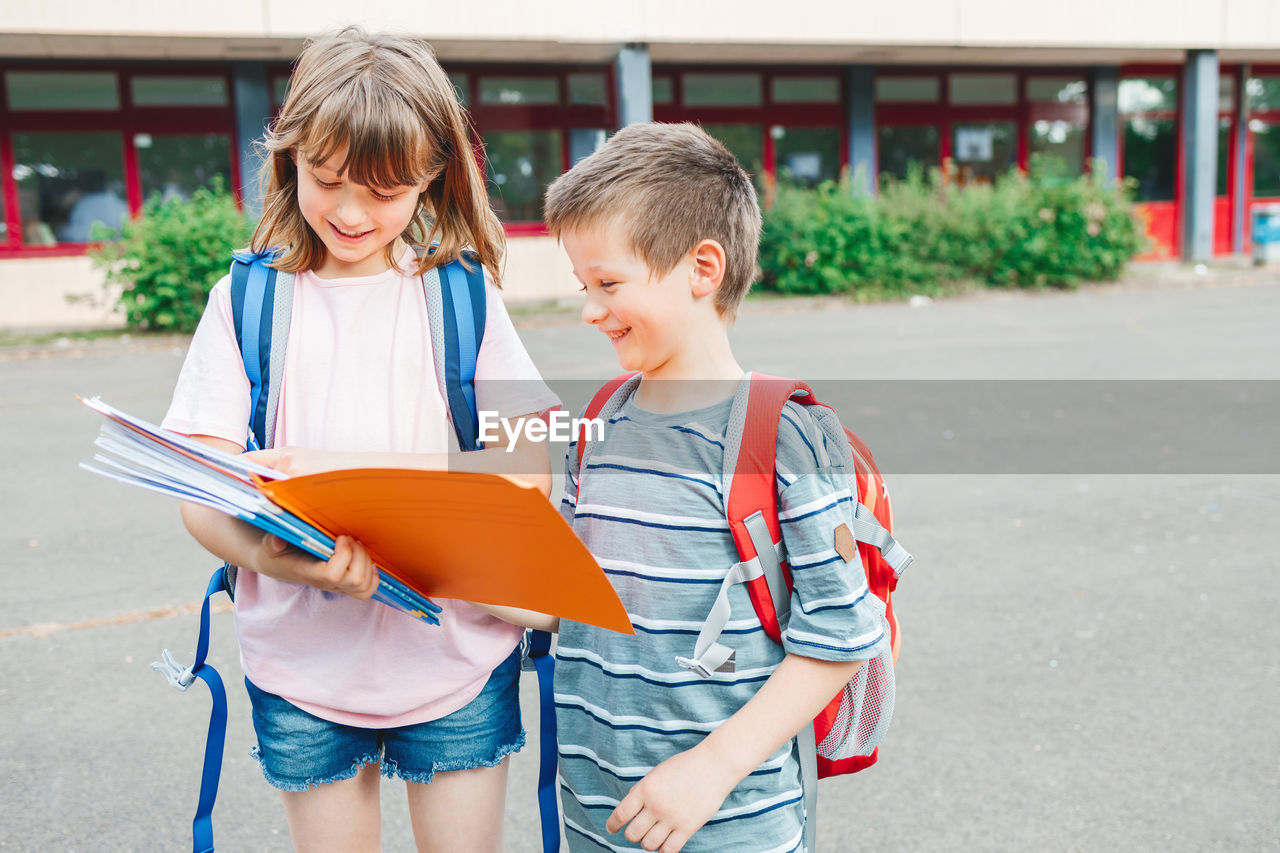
(607, 284)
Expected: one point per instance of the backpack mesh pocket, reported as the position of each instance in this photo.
(866, 707)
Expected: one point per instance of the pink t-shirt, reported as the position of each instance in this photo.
(359, 376)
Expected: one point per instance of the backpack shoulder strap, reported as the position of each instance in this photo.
(605, 404)
(456, 306)
(261, 305)
(751, 495)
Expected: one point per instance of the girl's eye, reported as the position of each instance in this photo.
(327, 186)
(383, 196)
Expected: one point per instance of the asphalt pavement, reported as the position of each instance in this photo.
(1089, 658)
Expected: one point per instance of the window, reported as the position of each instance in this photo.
(1057, 90)
(663, 90)
(723, 90)
(984, 89)
(1263, 93)
(806, 90)
(279, 90)
(982, 152)
(1266, 158)
(1224, 154)
(62, 90)
(511, 91)
(1056, 148)
(174, 166)
(907, 90)
(745, 141)
(519, 165)
(179, 91)
(459, 82)
(1148, 105)
(808, 155)
(1150, 152)
(588, 89)
(903, 148)
(1150, 94)
(68, 183)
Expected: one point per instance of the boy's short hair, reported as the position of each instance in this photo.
(668, 186)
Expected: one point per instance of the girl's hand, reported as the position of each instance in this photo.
(296, 461)
(349, 571)
(665, 808)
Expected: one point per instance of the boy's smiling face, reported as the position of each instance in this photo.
(651, 320)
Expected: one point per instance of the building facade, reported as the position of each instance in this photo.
(104, 105)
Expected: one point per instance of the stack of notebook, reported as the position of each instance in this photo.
(477, 537)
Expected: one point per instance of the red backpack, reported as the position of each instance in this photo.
(857, 717)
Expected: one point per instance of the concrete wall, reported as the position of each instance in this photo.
(34, 291)
(34, 294)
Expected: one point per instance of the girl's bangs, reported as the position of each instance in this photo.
(386, 145)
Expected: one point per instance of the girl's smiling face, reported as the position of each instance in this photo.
(355, 222)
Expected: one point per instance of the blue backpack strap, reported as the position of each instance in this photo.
(182, 678)
(464, 315)
(538, 644)
(253, 286)
(464, 308)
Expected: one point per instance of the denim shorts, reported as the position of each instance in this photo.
(298, 750)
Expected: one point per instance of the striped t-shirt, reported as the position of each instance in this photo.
(652, 512)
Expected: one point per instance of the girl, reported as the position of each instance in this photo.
(368, 159)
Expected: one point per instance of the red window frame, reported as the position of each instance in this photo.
(768, 113)
(128, 121)
(944, 115)
(1161, 215)
(562, 118)
(1271, 117)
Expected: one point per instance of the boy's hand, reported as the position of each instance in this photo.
(296, 461)
(349, 571)
(665, 808)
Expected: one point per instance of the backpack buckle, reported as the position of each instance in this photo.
(178, 676)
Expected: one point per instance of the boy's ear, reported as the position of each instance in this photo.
(708, 268)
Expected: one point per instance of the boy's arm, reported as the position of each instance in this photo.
(349, 571)
(526, 462)
(665, 808)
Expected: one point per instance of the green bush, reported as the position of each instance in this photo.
(923, 233)
(169, 258)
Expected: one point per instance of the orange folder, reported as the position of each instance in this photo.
(477, 537)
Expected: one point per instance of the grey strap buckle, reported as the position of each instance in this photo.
(177, 675)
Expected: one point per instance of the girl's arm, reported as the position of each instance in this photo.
(527, 462)
(349, 571)
(524, 618)
(682, 793)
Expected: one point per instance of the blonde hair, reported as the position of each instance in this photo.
(669, 186)
(390, 104)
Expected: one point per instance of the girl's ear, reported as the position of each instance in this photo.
(708, 268)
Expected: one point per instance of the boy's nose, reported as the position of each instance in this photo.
(592, 311)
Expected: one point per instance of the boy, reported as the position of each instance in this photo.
(662, 227)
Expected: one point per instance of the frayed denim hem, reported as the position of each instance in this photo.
(289, 785)
(392, 771)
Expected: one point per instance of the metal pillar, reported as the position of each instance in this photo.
(253, 111)
(1200, 142)
(1104, 120)
(860, 122)
(634, 81)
